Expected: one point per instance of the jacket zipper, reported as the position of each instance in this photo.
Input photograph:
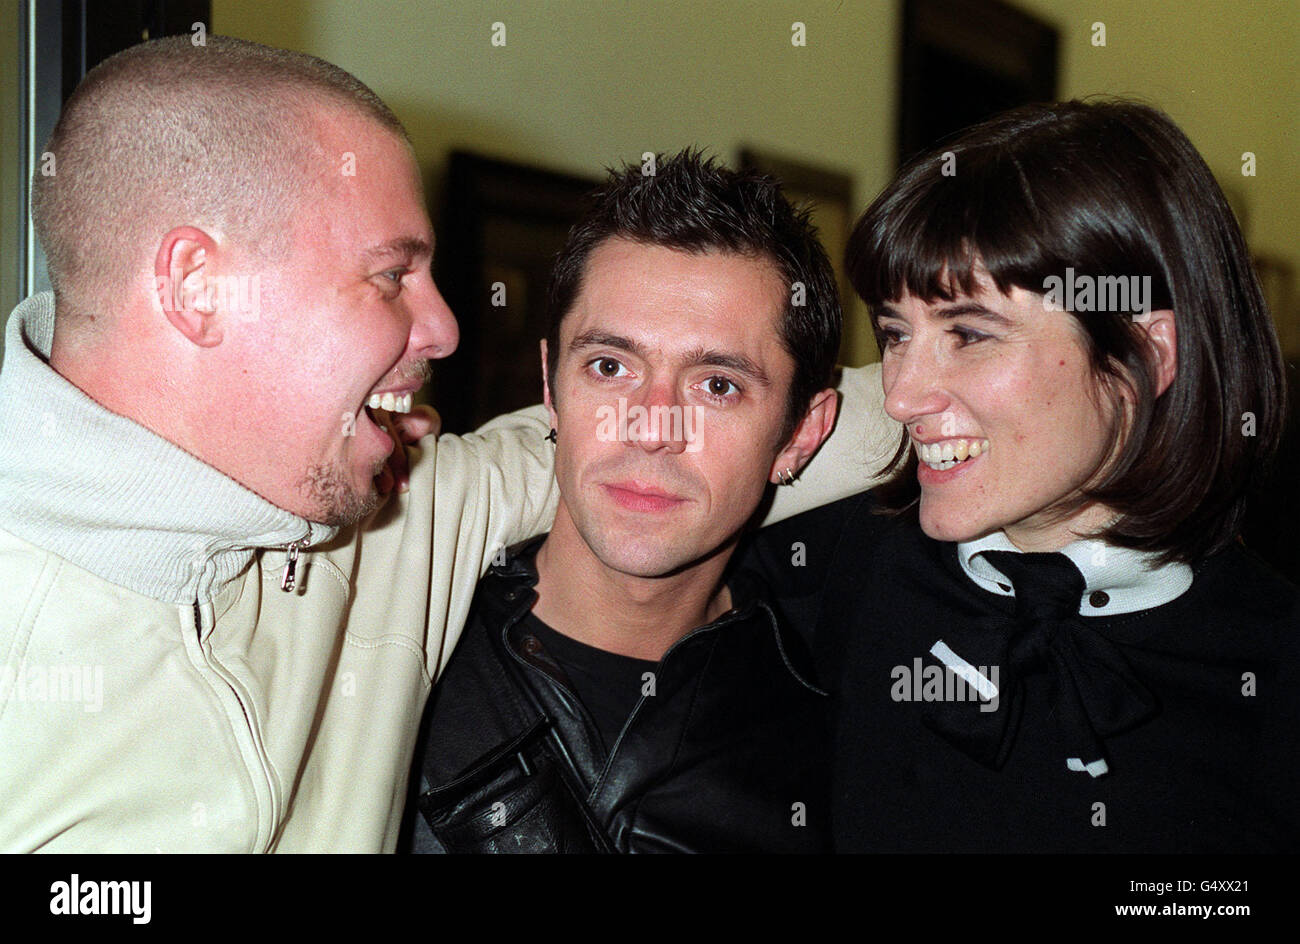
(265, 818)
(290, 578)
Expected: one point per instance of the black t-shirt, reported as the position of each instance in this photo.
(607, 684)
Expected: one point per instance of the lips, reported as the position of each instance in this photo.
(410, 377)
(640, 496)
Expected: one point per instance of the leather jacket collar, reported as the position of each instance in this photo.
(507, 594)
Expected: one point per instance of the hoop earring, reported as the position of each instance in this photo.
(552, 436)
(786, 476)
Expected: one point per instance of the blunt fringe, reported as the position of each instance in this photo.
(692, 204)
(1107, 188)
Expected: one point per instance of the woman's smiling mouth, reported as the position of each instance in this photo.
(943, 454)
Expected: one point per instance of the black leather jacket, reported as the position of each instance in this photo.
(728, 755)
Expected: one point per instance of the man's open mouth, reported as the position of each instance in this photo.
(392, 402)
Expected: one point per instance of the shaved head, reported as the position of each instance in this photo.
(165, 134)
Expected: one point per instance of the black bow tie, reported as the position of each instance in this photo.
(1094, 692)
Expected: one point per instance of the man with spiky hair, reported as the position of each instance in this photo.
(616, 689)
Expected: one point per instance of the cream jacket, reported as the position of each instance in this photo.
(159, 691)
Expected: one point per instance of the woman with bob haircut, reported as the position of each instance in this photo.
(1043, 633)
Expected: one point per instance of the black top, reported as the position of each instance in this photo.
(607, 684)
(726, 752)
(1214, 767)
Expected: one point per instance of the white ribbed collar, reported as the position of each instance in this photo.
(112, 497)
(1116, 579)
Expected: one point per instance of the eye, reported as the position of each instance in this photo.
(721, 388)
(608, 368)
(967, 336)
(390, 282)
(890, 336)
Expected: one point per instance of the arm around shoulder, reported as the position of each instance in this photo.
(500, 479)
(857, 449)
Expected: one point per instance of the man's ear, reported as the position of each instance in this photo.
(182, 270)
(1162, 345)
(811, 432)
(546, 387)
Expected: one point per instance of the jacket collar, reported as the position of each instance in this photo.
(112, 497)
(507, 594)
(1117, 580)
(517, 568)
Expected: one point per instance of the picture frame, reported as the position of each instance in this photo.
(500, 227)
(965, 60)
(828, 194)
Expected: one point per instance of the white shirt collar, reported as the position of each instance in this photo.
(1116, 579)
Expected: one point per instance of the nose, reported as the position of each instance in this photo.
(658, 420)
(914, 385)
(434, 332)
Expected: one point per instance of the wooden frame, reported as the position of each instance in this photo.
(501, 225)
(964, 60)
(829, 196)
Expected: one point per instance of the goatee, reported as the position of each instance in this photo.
(333, 498)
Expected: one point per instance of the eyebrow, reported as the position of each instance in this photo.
(406, 246)
(697, 357)
(954, 310)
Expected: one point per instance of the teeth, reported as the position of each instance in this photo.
(945, 455)
(393, 403)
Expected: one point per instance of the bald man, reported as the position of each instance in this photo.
(201, 648)
(210, 639)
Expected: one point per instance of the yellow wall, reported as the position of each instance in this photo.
(581, 84)
(1229, 74)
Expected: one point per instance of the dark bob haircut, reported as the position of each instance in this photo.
(1107, 188)
(692, 204)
